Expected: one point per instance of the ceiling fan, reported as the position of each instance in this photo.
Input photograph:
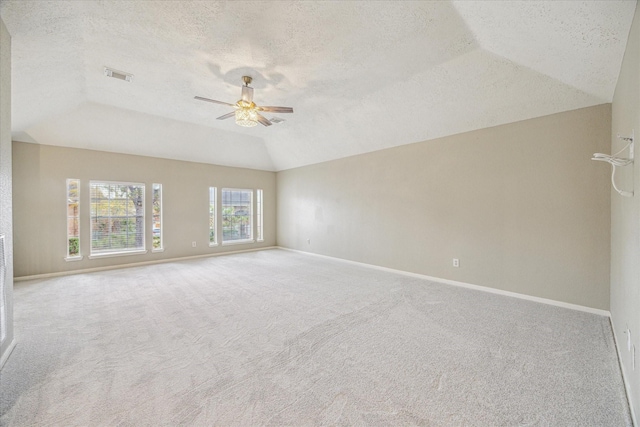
(247, 113)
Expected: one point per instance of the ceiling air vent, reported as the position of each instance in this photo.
(120, 75)
(276, 120)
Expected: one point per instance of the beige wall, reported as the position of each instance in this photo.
(39, 188)
(625, 216)
(5, 180)
(521, 205)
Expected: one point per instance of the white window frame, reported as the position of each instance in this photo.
(240, 241)
(113, 253)
(213, 215)
(79, 256)
(160, 215)
(259, 215)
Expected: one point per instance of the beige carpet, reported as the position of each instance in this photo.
(280, 338)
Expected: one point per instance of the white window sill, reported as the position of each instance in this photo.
(112, 254)
(238, 242)
(213, 245)
(157, 250)
(73, 258)
(260, 240)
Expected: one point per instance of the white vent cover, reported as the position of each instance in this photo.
(120, 75)
(276, 120)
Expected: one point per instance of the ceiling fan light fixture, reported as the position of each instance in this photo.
(247, 113)
(246, 117)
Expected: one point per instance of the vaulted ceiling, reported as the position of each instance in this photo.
(360, 75)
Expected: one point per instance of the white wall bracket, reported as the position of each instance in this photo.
(618, 161)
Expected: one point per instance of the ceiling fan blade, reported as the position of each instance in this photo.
(199, 98)
(276, 109)
(247, 94)
(263, 120)
(226, 116)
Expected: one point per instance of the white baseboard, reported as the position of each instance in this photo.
(135, 264)
(7, 353)
(624, 376)
(464, 285)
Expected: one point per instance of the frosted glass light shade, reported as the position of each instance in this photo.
(247, 117)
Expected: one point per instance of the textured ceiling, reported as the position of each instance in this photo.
(361, 76)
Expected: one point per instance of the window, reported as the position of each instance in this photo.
(259, 212)
(156, 230)
(73, 219)
(117, 218)
(237, 215)
(213, 237)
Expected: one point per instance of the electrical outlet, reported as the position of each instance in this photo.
(193, 244)
(456, 262)
(308, 241)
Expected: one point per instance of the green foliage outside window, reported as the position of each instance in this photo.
(117, 217)
(74, 246)
(236, 223)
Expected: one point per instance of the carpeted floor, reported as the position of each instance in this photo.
(280, 338)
